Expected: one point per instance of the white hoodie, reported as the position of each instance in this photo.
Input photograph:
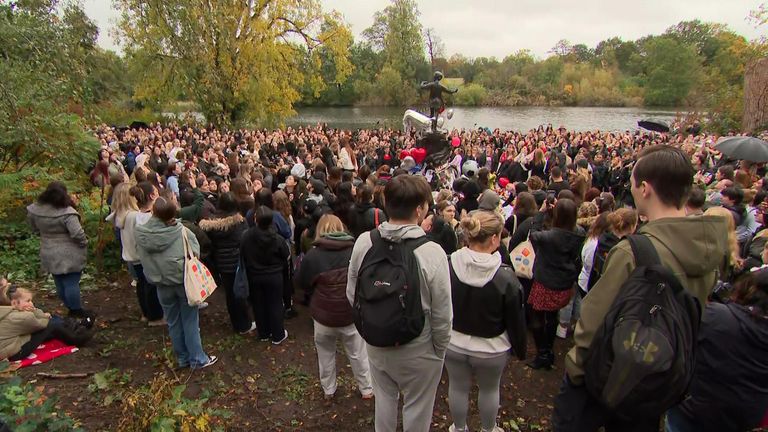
(476, 269)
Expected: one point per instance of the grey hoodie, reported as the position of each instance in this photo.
(435, 289)
(161, 251)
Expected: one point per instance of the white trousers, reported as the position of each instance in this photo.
(354, 346)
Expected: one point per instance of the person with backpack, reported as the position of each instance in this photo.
(678, 267)
(729, 391)
(399, 289)
(323, 275)
(489, 321)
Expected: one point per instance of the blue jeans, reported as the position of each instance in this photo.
(183, 325)
(68, 289)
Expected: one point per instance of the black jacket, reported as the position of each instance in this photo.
(491, 310)
(729, 391)
(362, 218)
(323, 277)
(225, 234)
(558, 257)
(263, 251)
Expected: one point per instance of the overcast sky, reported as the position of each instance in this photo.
(484, 28)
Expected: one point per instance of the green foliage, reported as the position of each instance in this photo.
(294, 382)
(471, 95)
(673, 68)
(43, 91)
(27, 409)
(19, 250)
(110, 384)
(161, 406)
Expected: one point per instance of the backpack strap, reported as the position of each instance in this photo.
(644, 251)
(375, 217)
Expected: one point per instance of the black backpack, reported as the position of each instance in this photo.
(641, 359)
(387, 306)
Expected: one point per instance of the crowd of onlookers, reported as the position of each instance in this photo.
(300, 215)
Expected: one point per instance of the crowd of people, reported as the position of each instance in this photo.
(412, 275)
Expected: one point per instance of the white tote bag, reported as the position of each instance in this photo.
(198, 281)
(522, 257)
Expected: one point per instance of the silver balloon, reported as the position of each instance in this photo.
(449, 114)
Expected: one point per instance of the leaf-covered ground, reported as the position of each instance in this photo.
(264, 387)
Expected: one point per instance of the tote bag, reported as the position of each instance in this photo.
(198, 280)
(522, 257)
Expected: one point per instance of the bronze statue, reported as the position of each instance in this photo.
(436, 103)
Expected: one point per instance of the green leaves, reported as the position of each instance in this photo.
(30, 410)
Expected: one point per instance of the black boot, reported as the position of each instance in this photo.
(543, 360)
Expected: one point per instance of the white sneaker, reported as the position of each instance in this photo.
(133, 283)
(202, 306)
(562, 331)
(250, 330)
(495, 429)
(211, 361)
(452, 428)
(281, 340)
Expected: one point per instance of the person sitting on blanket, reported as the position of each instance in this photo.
(23, 327)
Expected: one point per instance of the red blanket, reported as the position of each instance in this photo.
(47, 351)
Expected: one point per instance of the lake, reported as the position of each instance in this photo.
(505, 118)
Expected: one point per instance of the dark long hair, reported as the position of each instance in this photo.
(56, 196)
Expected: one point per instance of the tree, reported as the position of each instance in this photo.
(236, 59)
(673, 68)
(43, 89)
(562, 48)
(396, 32)
(435, 46)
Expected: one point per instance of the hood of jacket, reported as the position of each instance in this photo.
(335, 241)
(265, 239)
(475, 268)
(221, 223)
(46, 210)
(155, 236)
(398, 233)
(701, 236)
(362, 208)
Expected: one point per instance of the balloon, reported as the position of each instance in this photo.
(455, 141)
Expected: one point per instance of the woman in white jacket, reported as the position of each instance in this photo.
(347, 157)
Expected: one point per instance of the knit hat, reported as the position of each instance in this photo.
(489, 200)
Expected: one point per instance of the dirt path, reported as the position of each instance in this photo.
(266, 388)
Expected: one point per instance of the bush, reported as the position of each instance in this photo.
(26, 408)
(471, 95)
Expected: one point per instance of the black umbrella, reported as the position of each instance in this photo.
(744, 147)
(653, 125)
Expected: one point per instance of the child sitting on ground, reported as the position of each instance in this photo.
(23, 327)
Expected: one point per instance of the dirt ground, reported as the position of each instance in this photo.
(265, 387)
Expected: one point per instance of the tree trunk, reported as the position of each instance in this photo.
(756, 96)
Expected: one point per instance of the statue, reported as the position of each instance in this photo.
(436, 103)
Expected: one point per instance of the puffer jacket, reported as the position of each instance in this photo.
(16, 328)
(323, 275)
(161, 251)
(225, 234)
(263, 251)
(63, 244)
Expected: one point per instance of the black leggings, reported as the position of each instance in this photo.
(65, 331)
(544, 328)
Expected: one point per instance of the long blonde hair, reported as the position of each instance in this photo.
(328, 224)
(123, 202)
(733, 244)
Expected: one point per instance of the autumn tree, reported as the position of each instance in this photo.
(435, 46)
(238, 59)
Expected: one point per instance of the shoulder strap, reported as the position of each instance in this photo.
(515, 227)
(643, 250)
(375, 217)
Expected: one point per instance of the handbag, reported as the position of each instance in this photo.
(240, 286)
(198, 280)
(522, 257)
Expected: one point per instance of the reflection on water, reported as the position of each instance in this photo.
(505, 118)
